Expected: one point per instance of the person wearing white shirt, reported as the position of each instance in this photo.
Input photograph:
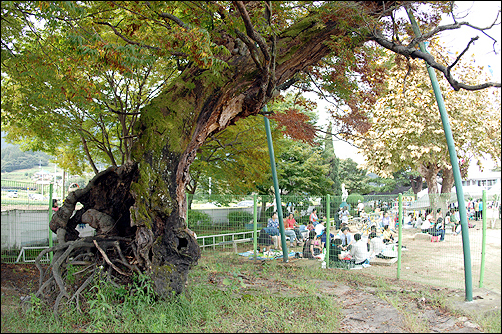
(427, 224)
(319, 228)
(376, 244)
(418, 222)
(359, 252)
(491, 215)
(360, 207)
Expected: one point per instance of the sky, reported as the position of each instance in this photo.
(480, 14)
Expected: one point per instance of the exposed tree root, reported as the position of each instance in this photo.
(129, 238)
(90, 255)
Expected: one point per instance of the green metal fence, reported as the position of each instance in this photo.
(227, 223)
(25, 220)
(218, 221)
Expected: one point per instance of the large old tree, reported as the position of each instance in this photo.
(223, 61)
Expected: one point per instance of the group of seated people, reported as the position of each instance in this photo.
(434, 226)
(348, 249)
(343, 246)
(270, 236)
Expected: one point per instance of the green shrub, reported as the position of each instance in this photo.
(197, 218)
(239, 218)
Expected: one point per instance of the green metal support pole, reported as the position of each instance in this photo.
(51, 186)
(399, 235)
(255, 224)
(276, 187)
(483, 245)
(454, 164)
(328, 223)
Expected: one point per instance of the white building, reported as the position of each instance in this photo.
(474, 186)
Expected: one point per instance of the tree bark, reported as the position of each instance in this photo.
(448, 181)
(429, 172)
(416, 184)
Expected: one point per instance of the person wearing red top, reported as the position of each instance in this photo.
(290, 224)
(313, 217)
(55, 206)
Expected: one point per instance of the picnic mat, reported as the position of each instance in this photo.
(268, 256)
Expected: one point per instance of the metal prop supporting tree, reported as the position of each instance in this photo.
(231, 59)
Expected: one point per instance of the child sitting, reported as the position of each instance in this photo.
(312, 247)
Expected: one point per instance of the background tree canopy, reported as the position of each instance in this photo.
(13, 158)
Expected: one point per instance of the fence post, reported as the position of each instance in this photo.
(328, 240)
(454, 163)
(255, 224)
(483, 244)
(50, 218)
(399, 235)
(276, 187)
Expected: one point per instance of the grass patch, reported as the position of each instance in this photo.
(227, 293)
(219, 298)
(490, 322)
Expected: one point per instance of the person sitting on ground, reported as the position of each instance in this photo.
(428, 224)
(313, 217)
(312, 247)
(419, 221)
(374, 231)
(337, 255)
(310, 226)
(319, 228)
(388, 235)
(335, 252)
(439, 229)
(407, 219)
(376, 245)
(359, 252)
(323, 238)
(292, 237)
(385, 219)
(346, 237)
(55, 206)
(265, 240)
(291, 225)
(273, 228)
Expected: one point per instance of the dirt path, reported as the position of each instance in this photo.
(365, 312)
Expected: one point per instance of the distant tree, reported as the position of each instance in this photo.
(13, 159)
(301, 170)
(406, 130)
(354, 178)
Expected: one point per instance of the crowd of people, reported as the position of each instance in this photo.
(348, 247)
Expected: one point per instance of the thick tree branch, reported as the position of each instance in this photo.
(408, 51)
(251, 32)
